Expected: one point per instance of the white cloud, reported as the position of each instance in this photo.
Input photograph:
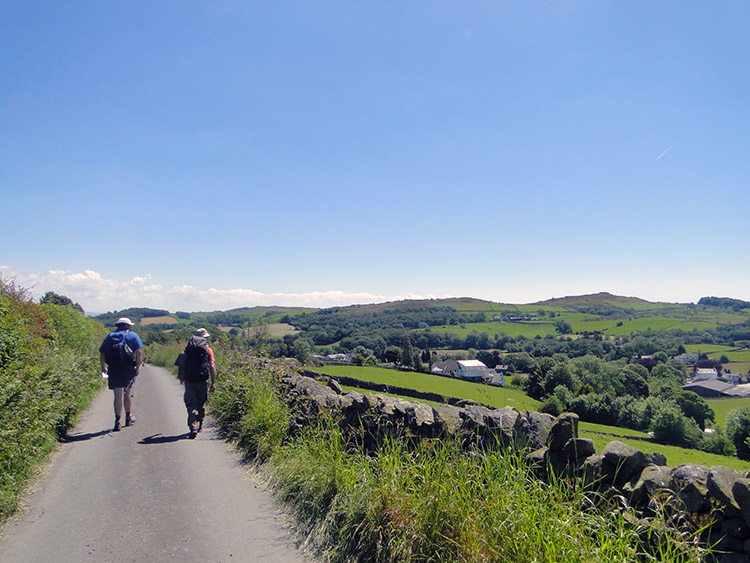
(98, 294)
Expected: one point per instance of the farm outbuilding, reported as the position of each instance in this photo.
(716, 389)
(471, 369)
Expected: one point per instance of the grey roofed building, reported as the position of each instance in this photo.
(716, 388)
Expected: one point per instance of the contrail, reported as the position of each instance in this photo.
(665, 152)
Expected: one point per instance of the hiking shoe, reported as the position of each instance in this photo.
(117, 426)
(200, 426)
(192, 434)
(129, 420)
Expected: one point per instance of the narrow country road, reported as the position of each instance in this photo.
(146, 493)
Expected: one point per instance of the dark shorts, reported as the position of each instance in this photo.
(120, 378)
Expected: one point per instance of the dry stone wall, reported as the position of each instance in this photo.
(717, 495)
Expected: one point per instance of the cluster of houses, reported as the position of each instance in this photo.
(471, 370)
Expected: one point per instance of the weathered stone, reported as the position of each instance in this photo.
(371, 400)
(462, 403)
(448, 418)
(473, 423)
(596, 472)
(335, 385)
(538, 461)
(358, 400)
(420, 416)
(344, 402)
(690, 482)
(564, 429)
(719, 482)
(474, 416)
(656, 458)
(626, 460)
(311, 396)
(387, 405)
(741, 493)
(401, 408)
(733, 556)
(734, 527)
(501, 423)
(652, 479)
(532, 429)
(578, 448)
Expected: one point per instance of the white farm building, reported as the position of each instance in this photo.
(471, 369)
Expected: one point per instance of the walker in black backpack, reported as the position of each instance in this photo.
(197, 361)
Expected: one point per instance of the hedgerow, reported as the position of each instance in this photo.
(48, 374)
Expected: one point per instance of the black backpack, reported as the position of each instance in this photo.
(118, 353)
(197, 364)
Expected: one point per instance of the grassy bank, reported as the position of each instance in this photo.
(427, 502)
(48, 375)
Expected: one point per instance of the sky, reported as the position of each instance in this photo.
(199, 156)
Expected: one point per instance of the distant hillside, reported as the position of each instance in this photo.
(726, 302)
(243, 315)
(135, 314)
(603, 303)
(462, 304)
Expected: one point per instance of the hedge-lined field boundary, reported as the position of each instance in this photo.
(48, 375)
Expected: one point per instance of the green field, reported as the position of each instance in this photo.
(708, 348)
(655, 324)
(279, 330)
(737, 356)
(716, 351)
(167, 320)
(738, 367)
(450, 387)
(722, 407)
(580, 322)
(501, 397)
(527, 329)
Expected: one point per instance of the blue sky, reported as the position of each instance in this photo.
(211, 155)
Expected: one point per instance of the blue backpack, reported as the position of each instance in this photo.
(118, 353)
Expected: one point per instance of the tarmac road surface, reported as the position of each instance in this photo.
(147, 493)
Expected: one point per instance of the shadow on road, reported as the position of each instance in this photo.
(159, 439)
(82, 437)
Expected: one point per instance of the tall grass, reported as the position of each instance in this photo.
(164, 355)
(436, 502)
(429, 500)
(248, 403)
